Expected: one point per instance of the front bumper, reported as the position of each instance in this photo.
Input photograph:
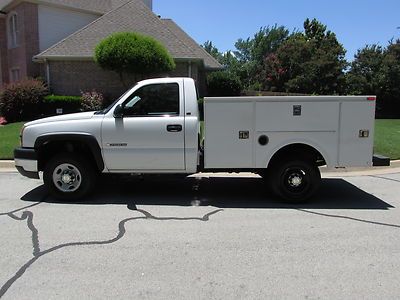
(26, 162)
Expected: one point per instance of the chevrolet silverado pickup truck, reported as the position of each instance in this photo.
(154, 128)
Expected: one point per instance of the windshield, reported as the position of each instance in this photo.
(108, 108)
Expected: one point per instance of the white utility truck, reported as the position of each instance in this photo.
(154, 128)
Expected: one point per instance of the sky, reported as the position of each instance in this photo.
(355, 22)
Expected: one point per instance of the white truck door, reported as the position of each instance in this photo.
(150, 135)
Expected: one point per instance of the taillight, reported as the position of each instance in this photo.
(371, 98)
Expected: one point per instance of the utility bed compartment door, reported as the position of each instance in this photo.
(228, 134)
(356, 118)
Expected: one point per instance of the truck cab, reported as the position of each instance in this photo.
(153, 129)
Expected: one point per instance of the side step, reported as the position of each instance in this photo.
(380, 161)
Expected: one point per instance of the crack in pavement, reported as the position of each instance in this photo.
(384, 178)
(28, 216)
(19, 209)
(37, 253)
(347, 218)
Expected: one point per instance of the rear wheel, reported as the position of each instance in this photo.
(68, 176)
(295, 181)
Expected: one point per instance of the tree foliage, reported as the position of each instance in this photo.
(133, 53)
(311, 62)
(213, 51)
(376, 71)
(223, 83)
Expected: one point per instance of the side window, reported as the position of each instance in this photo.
(153, 100)
(12, 31)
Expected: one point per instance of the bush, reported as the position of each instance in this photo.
(21, 101)
(68, 104)
(223, 84)
(133, 53)
(62, 99)
(92, 101)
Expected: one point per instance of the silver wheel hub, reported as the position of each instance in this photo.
(295, 180)
(67, 178)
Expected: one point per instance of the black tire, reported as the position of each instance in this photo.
(295, 181)
(81, 174)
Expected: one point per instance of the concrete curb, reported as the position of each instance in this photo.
(8, 166)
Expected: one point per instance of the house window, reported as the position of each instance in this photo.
(15, 75)
(13, 30)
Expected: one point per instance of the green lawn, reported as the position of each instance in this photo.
(387, 138)
(9, 139)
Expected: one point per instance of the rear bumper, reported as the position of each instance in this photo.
(380, 161)
(26, 162)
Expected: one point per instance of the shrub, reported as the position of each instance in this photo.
(92, 101)
(68, 104)
(223, 84)
(21, 101)
(133, 53)
(62, 99)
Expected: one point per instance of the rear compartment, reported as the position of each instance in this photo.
(245, 132)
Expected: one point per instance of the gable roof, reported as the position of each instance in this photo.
(131, 16)
(95, 6)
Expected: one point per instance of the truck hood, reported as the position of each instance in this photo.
(69, 117)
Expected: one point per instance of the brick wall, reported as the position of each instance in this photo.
(72, 77)
(20, 57)
(3, 51)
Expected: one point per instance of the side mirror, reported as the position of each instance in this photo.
(119, 111)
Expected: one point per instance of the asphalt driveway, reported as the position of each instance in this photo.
(213, 238)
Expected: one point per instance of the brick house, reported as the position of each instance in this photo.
(55, 39)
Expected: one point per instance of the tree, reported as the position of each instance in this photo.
(311, 62)
(376, 71)
(223, 83)
(133, 53)
(212, 50)
(365, 76)
(252, 52)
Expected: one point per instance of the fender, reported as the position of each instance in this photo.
(300, 142)
(85, 138)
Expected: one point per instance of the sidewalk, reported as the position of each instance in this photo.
(7, 166)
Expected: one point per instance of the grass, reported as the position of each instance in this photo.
(9, 139)
(387, 138)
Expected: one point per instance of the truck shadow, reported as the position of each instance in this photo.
(218, 192)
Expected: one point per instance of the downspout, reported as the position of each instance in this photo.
(47, 72)
(190, 69)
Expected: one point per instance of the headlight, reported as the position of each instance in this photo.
(21, 134)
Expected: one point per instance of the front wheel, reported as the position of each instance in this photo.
(295, 181)
(69, 177)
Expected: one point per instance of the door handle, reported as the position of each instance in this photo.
(174, 128)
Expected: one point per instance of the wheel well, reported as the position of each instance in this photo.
(48, 149)
(301, 151)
